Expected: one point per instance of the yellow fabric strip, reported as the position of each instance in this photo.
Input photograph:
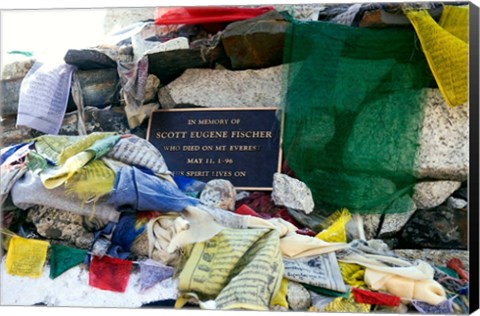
(336, 231)
(455, 19)
(26, 257)
(280, 298)
(55, 177)
(81, 145)
(446, 52)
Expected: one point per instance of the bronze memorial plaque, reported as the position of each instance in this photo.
(239, 145)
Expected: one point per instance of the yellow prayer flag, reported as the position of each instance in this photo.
(336, 231)
(454, 19)
(26, 257)
(280, 297)
(446, 50)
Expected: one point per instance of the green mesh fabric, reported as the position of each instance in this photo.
(353, 111)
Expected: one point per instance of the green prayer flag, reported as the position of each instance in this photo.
(354, 105)
(63, 258)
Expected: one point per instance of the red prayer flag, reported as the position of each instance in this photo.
(375, 298)
(244, 209)
(209, 14)
(109, 273)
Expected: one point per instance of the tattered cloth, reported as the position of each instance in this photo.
(238, 269)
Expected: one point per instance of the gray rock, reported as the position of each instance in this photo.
(60, 225)
(292, 193)
(123, 53)
(393, 223)
(169, 65)
(456, 203)
(371, 224)
(435, 256)
(444, 140)
(224, 88)
(99, 87)
(16, 67)
(255, 43)
(88, 59)
(219, 193)
(433, 193)
(298, 297)
(10, 91)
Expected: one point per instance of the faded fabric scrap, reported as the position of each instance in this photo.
(8, 176)
(62, 258)
(76, 156)
(353, 111)
(12, 167)
(146, 192)
(136, 151)
(111, 274)
(26, 257)
(321, 270)
(91, 182)
(444, 308)
(133, 76)
(238, 268)
(44, 96)
(375, 298)
(446, 49)
(152, 272)
(58, 148)
(36, 162)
